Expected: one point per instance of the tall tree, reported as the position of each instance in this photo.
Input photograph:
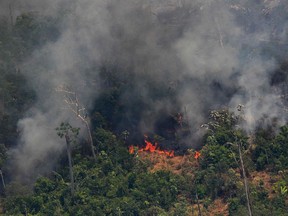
(70, 134)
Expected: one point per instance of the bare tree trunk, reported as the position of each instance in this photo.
(2, 178)
(90, 139)
(11, 13)
(266, 154)
(68, 142)
(198, 205)
(245, 180)
(219, 33)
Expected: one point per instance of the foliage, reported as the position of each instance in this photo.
(272, 151)
(107, 187)
(66, 128)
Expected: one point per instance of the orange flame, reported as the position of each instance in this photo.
(131, 149)
(197, 155)
(151, 148)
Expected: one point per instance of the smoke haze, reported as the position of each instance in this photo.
(208, 53)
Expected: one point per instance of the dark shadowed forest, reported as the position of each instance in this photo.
(135, 107)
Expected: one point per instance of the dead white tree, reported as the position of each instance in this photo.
(73, 104)
(222, 117)
(245, 179)
(240, 109)
(246, 185)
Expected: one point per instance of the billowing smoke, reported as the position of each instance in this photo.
(206, 54)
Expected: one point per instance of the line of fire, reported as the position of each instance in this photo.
(152, 148)
(170, 128)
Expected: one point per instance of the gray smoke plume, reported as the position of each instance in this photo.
(208, 53)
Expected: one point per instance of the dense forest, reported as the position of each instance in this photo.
(135, 107)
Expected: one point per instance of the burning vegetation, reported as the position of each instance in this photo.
(150, 147)
(154, 148)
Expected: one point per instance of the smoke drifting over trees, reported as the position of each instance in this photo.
(172, 56)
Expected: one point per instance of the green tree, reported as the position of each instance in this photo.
(70, 134)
